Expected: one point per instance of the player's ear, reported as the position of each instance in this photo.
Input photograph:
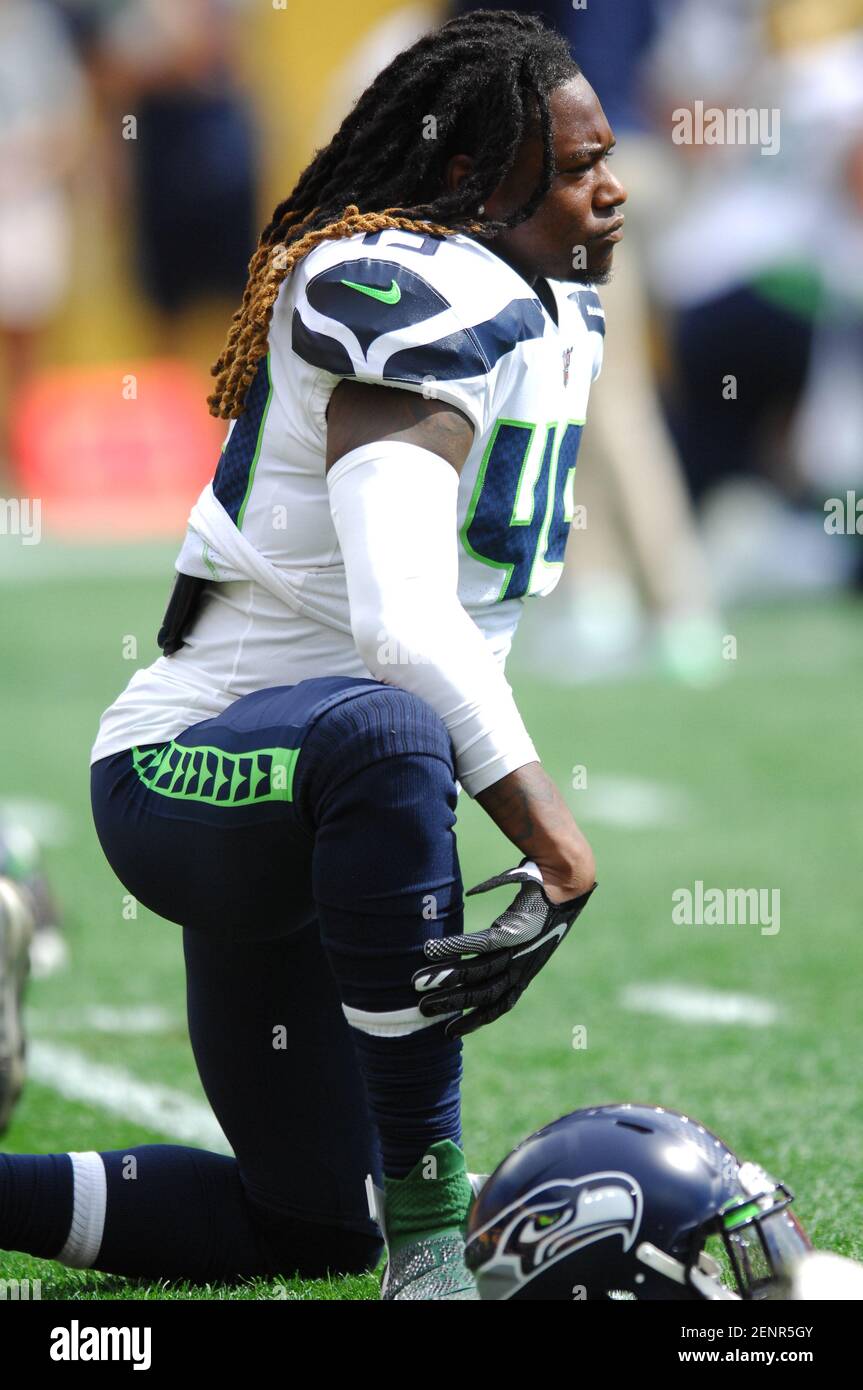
(457, 168)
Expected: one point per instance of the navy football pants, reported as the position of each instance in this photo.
(304, 841)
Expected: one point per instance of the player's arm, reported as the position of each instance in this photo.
(527, 806)
(361, 414)
(522, 800)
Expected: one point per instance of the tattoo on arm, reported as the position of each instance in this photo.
(528, 808)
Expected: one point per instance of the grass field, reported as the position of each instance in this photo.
(753, 783)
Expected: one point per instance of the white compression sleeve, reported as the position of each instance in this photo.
(394, 507)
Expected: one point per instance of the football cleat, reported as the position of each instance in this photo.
(423, 1219)
(16, 931)
(20, 860)
(621, 1202)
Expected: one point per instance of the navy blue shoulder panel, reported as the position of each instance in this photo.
(521, 320)
(452, 358)
(319, 349)
(471, 352)
(371, 297)
(590, 308)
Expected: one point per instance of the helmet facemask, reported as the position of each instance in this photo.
(747, 1251)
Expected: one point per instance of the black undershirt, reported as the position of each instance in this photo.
(542, 289)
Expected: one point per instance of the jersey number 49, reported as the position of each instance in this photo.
(520, 513)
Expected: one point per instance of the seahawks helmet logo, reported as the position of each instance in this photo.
(551, 1222)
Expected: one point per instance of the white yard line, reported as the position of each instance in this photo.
(130, 1020)
(49, 953)
(160, 1108)
(47, 821)
(53, 560)
(630, 803)
(692, 1004)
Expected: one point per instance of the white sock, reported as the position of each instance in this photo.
(90, 1188)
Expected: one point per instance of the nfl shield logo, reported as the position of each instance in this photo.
(567, 354)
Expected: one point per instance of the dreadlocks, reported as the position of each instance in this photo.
(486, 78)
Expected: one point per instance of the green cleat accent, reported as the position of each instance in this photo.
(424, 1219)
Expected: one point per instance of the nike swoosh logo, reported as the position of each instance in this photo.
(390, 296)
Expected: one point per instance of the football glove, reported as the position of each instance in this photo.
(503, 959)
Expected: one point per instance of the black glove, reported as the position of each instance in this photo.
(505, 957)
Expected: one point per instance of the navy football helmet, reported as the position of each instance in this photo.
(620, 1201)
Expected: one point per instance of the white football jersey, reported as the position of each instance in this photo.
(448, 319)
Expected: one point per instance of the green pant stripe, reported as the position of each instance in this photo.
(188, 774)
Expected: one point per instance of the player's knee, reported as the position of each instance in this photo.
(390, 713)
(387, 727)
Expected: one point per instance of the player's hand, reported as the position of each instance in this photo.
(503, 959)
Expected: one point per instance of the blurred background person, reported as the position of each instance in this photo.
(193, 175)
(42, 110)
(636, 584)
(111, 437)
(760, 270)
